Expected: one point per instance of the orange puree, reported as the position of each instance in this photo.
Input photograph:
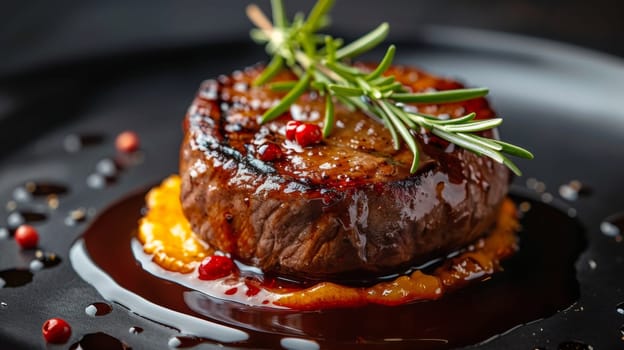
(165, 232)
(167, 235)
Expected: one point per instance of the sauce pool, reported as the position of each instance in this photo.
(538, 281)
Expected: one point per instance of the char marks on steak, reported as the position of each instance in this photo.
(346, 207)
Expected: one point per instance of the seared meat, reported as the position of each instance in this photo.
(345, 207)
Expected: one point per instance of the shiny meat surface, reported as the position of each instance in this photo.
(347, 207)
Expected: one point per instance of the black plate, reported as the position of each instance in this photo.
(561, 102)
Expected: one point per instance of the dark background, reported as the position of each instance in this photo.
(37, 33)
(75, 43)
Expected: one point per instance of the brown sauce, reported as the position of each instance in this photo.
(39, 189)
(99, 341)
(536, 283)
(98, 309)
(12, 278)
(135, 330)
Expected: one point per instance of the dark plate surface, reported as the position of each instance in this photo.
(563, 103)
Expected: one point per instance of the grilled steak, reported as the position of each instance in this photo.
(346, 207)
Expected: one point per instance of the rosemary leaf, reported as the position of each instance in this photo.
(258, 36)
(364, 43)
(308, 44)
(289, 99)
(460, 120)
(471, 146)
(405, 134)
(279, 14)
(514, 150)
(344, 90)
(384, 64)
(298, 20)
(403, 115)
(513, 167)
(328, 125)
(396, 143)
(276, 64)
(382, 81)
(480, 140)
(348, 103)
(474, 126)
(425, 122)
(319, 86)
(320, 9)
(445, 96)
(330, 49)
(358, 101)
(366, 87)
(390, 87)
(344, 70)
(280, 86)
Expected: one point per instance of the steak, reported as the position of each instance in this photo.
(347, 207)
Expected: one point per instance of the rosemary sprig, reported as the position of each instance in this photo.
(320, 61)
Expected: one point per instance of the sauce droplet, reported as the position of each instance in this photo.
(613, 225)
(524, 206)
(20, 194)
(135, 330)
(3, 305)
(18, 218)
(573, 190)
(75, 216)
(181, 342)
(535, 185)
(12, 278)
(74, 142)
(568, 193)
(98, 309)
(48, 259)
(99, 341)
(53, 201)
(35, 266)
(106, 167)
(96, 181)
(574, 345)
(10, 205)
(38, 189)
(14, 220)
(126, 160)
(547, 197)
(620, 308)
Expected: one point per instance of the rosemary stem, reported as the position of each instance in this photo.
(258, 18)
